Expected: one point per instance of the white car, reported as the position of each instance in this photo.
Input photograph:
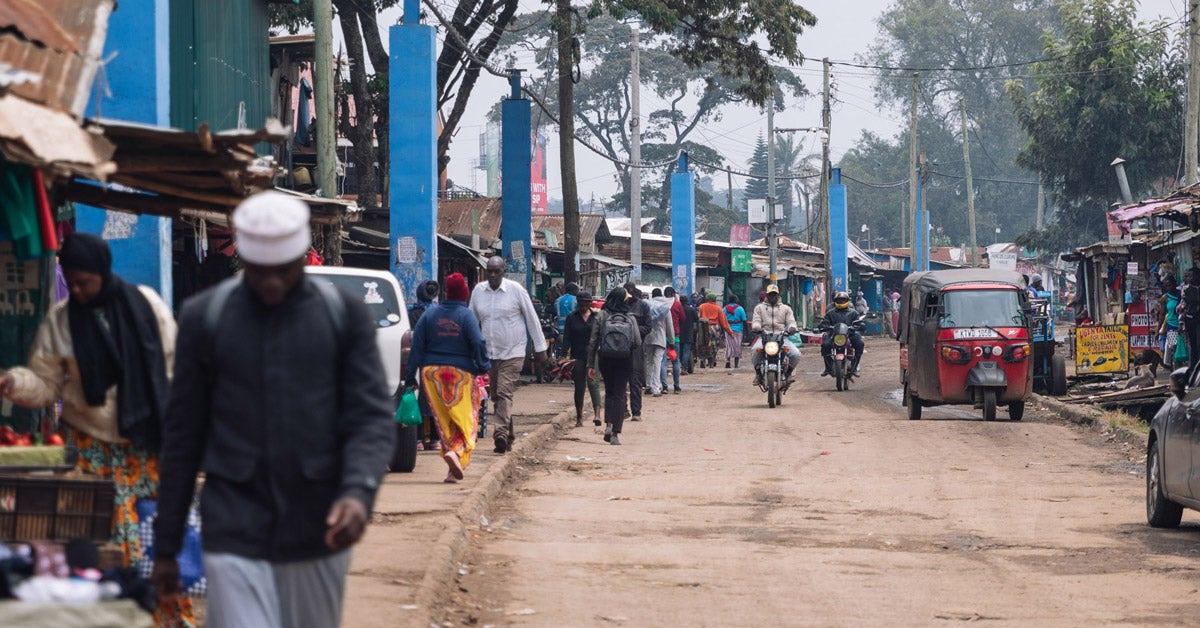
(382, 295)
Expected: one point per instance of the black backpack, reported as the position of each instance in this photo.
(618, 336)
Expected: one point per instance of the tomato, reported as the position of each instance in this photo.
(54, 439)
(23, 440)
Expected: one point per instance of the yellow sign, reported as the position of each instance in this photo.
(1102, 349)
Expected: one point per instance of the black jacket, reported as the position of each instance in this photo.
(283, 417)
(833, 316)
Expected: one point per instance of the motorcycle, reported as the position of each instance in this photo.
(774, 368)
(843, 354)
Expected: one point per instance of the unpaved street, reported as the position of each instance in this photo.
(831, 510)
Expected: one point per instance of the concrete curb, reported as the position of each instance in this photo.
(1089, 416)
(446, 553)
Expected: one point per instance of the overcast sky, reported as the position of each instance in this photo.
(840, 34)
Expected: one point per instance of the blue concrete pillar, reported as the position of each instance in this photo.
(919, 231)
(516, 196)
(838, 266)
(140, 82)
(683, 228)
(412, 143)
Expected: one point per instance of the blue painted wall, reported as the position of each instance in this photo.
(413, 145)
(516, 196)
(139, 79)
(837, 232)
(683, 228)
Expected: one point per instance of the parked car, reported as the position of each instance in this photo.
(1173, 454)
(382, 295)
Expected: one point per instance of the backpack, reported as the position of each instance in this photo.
(618, 336)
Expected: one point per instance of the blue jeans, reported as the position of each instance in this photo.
(685, 354)
(674, 368)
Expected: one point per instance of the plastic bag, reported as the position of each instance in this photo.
(408, 412)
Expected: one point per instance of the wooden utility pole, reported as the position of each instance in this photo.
(912, 175)
(1192, 122)
(635, 156)
(1041, 206)
(974, 254)
(564, 15)
(826, 119)
(323, 93)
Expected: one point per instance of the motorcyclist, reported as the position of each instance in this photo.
(773, 317)
(841, 313)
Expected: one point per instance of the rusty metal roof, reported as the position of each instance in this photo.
(59, 40)
(592, 229)
(455, 218)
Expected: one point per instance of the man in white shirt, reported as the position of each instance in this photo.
(507, 317)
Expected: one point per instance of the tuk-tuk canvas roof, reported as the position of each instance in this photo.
(938, 279)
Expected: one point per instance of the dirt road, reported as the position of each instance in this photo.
(831, 510)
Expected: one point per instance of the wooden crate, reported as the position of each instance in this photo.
(55, 507)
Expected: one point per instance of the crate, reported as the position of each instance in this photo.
(55, 507)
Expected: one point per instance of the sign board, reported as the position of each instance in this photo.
(1102, 349)
(1003, 261)
(740, 261)
(1131, 268)
(739, 235)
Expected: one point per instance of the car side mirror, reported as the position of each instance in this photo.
(1179, 382)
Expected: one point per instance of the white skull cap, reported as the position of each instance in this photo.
(272, 228)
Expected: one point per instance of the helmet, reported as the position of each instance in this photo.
(773, 289)
(1035, 279)
(841, 300)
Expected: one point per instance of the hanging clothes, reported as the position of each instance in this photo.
(18, 209)
(303, 136)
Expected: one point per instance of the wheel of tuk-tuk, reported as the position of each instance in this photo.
(1058, 375)
(913, 404)
(1016, 410)
(989, 404)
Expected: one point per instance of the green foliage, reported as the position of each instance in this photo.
(757, 188)
(1109, 88)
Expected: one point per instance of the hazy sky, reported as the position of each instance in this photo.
(840, 34)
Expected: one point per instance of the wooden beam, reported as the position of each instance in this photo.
(129, 202)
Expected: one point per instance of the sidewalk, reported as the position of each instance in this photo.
(409, 553)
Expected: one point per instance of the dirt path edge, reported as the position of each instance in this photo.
(446, 553)
(1091, 417)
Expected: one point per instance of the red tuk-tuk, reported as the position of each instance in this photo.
(965, 338)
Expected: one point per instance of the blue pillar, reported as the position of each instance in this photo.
(683, 228)
(412, 143)
(140, 81)
(919, 232)
(516, 197)
(839, 271)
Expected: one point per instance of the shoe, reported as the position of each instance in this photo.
(501, 444)
(646, 390)
(735, 362)
(726, 363)
(450, 479)
(636, 417)
(678, 390)
(578, 422)
(614, 440)
(596, 422)
(657, 394)
(452, 461)
(608, 434)
(758, 381)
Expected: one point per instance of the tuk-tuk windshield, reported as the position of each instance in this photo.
(981, 308)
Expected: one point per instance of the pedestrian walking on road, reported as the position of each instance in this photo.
(1189, 315)
(280, 398)
(687, 333)
(576, 338)
(612, 351)
(678, 317)
(448, 351)
(106, 353)
(736, 316)
(509, 322)
(660, 338)
(637, 379)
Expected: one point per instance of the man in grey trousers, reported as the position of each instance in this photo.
(280, 398)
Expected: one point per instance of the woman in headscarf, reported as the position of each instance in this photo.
(448, 351)
(106, 353)
(577, 335)
(615, 371)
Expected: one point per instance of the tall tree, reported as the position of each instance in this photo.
(756, 187)
(1108, 88)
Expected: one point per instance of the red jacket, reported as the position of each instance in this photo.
(677, 315)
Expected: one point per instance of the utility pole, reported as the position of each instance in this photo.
(1192, 121)
(323, 94)
(635, 155)
(1041, 206)
(564, 24)
(825, 122)
(912, 169)
(971, 186)
(771, 243)
(729, 190)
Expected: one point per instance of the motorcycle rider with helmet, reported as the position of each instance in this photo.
(773, 317)
(841, 313)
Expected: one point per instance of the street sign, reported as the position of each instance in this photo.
(1003, 261)
(740, 261)
(1102, 349)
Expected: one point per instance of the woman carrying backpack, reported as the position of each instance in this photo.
(578, 333)
(611, 350)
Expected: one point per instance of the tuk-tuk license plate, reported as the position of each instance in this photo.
(973, 332)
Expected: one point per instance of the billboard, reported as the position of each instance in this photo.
(537, 174)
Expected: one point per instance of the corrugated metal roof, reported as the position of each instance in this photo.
(66, 56)
(592, 229)
(454, 218)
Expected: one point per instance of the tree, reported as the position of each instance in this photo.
(966, 49)
(756, 187)
(1108, 88)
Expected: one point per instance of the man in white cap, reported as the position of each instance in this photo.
(280, 399)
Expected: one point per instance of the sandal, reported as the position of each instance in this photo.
(456, 470)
